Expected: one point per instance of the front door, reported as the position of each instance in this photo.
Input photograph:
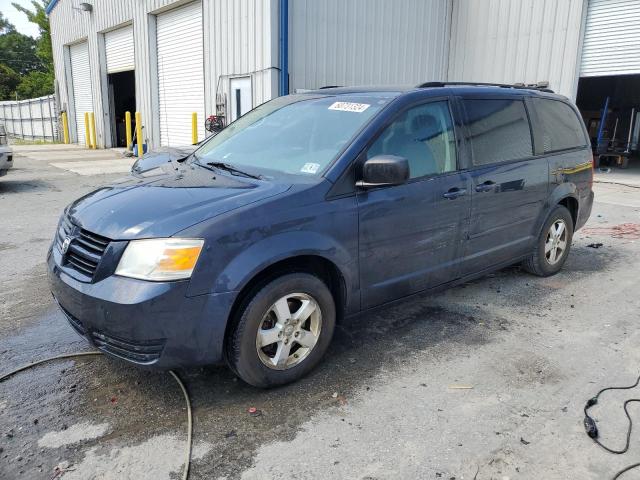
(410, 236)
(509, 184)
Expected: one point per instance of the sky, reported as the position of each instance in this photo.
(19, 19)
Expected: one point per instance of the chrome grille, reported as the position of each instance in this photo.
(85, 250)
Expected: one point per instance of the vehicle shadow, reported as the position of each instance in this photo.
(22, 186)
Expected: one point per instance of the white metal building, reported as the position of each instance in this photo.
(228, 56)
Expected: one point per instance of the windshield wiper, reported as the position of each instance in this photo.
(233, 170)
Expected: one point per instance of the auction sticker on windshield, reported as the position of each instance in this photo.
(349, 107)
(310, 168)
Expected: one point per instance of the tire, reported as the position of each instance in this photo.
(256, 353)
(542, 262)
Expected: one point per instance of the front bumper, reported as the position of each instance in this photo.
(147, 323)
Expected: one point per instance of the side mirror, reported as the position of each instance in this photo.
(384, 170)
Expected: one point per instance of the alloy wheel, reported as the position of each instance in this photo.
(289, 331)
(556, 242)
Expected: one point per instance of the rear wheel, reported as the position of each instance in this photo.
(283, 330)
(553, 244)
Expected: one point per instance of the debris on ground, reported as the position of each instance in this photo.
(624, 230)
(595, 245)
(523, 441)
(254, 412)
(460, 387)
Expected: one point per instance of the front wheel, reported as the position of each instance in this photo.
(283, 330)
(553, 244)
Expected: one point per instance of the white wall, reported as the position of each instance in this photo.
(240, 37)
(243, 40)
(517, 41)
(366, 42)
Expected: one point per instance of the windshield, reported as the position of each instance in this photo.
(295, 134)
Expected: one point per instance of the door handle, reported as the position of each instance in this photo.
(454, 193)
(486, 186)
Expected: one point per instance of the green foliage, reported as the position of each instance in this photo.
(18, 52)
(35, 84)
(25, 58)
(5, 25)
(9, 80)
(39, 17)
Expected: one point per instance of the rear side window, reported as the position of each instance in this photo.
(561, 127)
(498, 129)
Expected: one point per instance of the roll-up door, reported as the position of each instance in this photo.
(612, 38)
(118, 45)
(180, 73)
(81, 81)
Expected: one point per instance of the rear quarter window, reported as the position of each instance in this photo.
(498, 129)
(561, 128)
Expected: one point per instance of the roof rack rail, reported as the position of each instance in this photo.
(542, 86)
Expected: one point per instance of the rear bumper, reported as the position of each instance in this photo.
(6, 161)
(147, 323)
(584, 210)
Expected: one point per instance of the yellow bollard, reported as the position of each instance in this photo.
(65, 127)
(87, 130)
(194, 128)
(127, 124)
(139, 138)
(92, 121)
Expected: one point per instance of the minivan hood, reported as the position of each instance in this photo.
(165, 200)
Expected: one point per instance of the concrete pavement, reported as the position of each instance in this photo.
(77, 159)
(386, 403)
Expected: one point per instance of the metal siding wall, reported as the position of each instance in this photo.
(364, 42)
(612, 38)
(240, 37)
(511, 41)
(240, 40)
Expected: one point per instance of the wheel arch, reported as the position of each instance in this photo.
(314, 264)
(571, 204)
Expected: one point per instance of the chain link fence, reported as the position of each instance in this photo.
(33, 119)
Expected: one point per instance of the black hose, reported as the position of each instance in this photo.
(185, 473)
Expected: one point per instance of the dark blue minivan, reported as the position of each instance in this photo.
(314, 207)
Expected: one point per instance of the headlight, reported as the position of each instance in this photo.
(160, 259)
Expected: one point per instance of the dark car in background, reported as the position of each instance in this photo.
(315, 207)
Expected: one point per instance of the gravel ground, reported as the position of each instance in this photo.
(485, 381)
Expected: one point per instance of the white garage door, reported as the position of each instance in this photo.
(118, 45)
(81, 81)
(180, 73)
(612, 38)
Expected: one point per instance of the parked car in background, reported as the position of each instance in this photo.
(315, 207)
(6, 152)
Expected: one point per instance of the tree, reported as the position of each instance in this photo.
(9, 80)
(18, 52)
(39, 17)
(35, 84)
(5, 25)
